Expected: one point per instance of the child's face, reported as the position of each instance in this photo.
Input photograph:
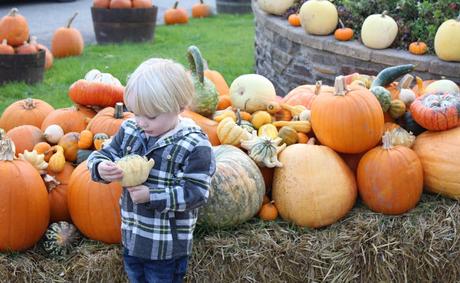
(158, 125)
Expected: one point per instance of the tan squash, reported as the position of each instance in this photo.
(379, 31)
(136, 169)
(252, 92)
(447, 40)
(319, 17)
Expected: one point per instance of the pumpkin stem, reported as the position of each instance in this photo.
(201, 1)
(13, 12)
(51, 182)
(71, 19)
(118, 112)
(386, 140)
(341, 23)
(406, 81)
(29, 103)
(339, 85)
(318, 86)
(6, 150)
(196, 62)
(175, 5)
(385, 13)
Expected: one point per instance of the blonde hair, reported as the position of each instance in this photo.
(158, 86)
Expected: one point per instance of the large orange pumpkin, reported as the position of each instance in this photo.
(207, 125)
(304, 191)
(27, 111)
(24, 213)
(14, 28)
(67, 41)
(72, 119)
(305, 94)
(109, 120)
(390, 178)
(25, 137)
(349, 120)
(95, 93)
(440, 156)
(57, 184)
(94, 207)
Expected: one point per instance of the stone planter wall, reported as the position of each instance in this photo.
(289, 57)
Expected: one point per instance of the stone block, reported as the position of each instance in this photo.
(352, 49)
(443, 68)
(392, 57)
(280, 56)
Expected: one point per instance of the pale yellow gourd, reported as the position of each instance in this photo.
(57, 160)
(229, 132)
(442, 86)
(318, 17)
(37, 160)
(136, 169)
(447, 40)
(379, 31)
(252, 92)
(261, 118)
(275, 7)
(268, 130)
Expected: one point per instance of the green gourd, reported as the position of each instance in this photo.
(383, 96)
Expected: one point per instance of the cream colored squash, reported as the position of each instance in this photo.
(442, 86)
(379, 31)
(319, 17)
(275, 7)
(136, 169)
(447, 40)
(252, 92)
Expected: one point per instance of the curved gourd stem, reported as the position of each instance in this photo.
(196, 62)
(71, 20)
(385, 13)
(175, 5)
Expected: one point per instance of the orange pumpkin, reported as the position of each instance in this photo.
(85, 196)
(101, 4)
(42, 147)
(120, 4)
(418, 48)
(95, 93)
(26, 48)
(305, 94)
(25, 137)
(5, 49)
(48, 56)
(27, 111)
(142, 4)
(175, 15)
(24, 215)
(390, 178)
(200, 10)
(343, 33)
(72, 119)
(268, 212)
(207, 125)
(69, 142)
(57, 185)
(86, 139)
(294, 20)
(109, 120)
(349, 121)
(67, 41)
(436, 111)
(218, 80)
(224, 102)
(14, 28)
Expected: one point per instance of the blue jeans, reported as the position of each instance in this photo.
(141, 270)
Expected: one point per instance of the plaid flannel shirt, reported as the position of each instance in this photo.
(178, 183)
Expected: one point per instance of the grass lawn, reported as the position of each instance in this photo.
(225, 41)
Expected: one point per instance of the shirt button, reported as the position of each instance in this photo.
(169, 157)
(128, 148)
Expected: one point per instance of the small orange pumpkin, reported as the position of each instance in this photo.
(5, 48)
(26, 48)
(69, 142)
(86, 139)
(200, 10)
(418, 48)
(343, 33)
(42, 147)
(294, 20)
(67, 41)
(268, 212)
(175, 15)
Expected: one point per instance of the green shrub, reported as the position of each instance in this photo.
(417, 20)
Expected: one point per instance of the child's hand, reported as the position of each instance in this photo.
(109, 171)
(139, 194)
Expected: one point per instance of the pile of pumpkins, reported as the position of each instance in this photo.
(378, 31)
(176, 15)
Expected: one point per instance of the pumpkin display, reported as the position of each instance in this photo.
(229, 132)
(29, 111)
(268, 212)
(109, 120)
(305, 94)
(418, 48)
(57, 186)
(85, 196)
(25, 137)
(294, 20)
(67, 41)
(275, 7)
(142, 4)
(379, 31)
(14, 28)
(218, 81)
(304, 191)
(136, 169)
(205, 99)
(69, 142)
(447, 40)
(236, 192)
(120, 4)
(318, 17)
(439, 153)
(6, 49)
(339, 119)
(60, 239)
(436, 111)
(24, 215)
(390, 178)
(343, 33)
(71, 119)
(264, 150)
(252, 92)
(175, 15)
(200, 10)
(208, 126)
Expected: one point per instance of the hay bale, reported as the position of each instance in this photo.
(420, 246)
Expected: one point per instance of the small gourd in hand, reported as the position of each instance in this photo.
(136, 169)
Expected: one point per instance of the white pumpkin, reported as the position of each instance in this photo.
(252, 92)
(447, 40)
(379, 31)
(319, 17)
(442, 86)
(275, 7)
